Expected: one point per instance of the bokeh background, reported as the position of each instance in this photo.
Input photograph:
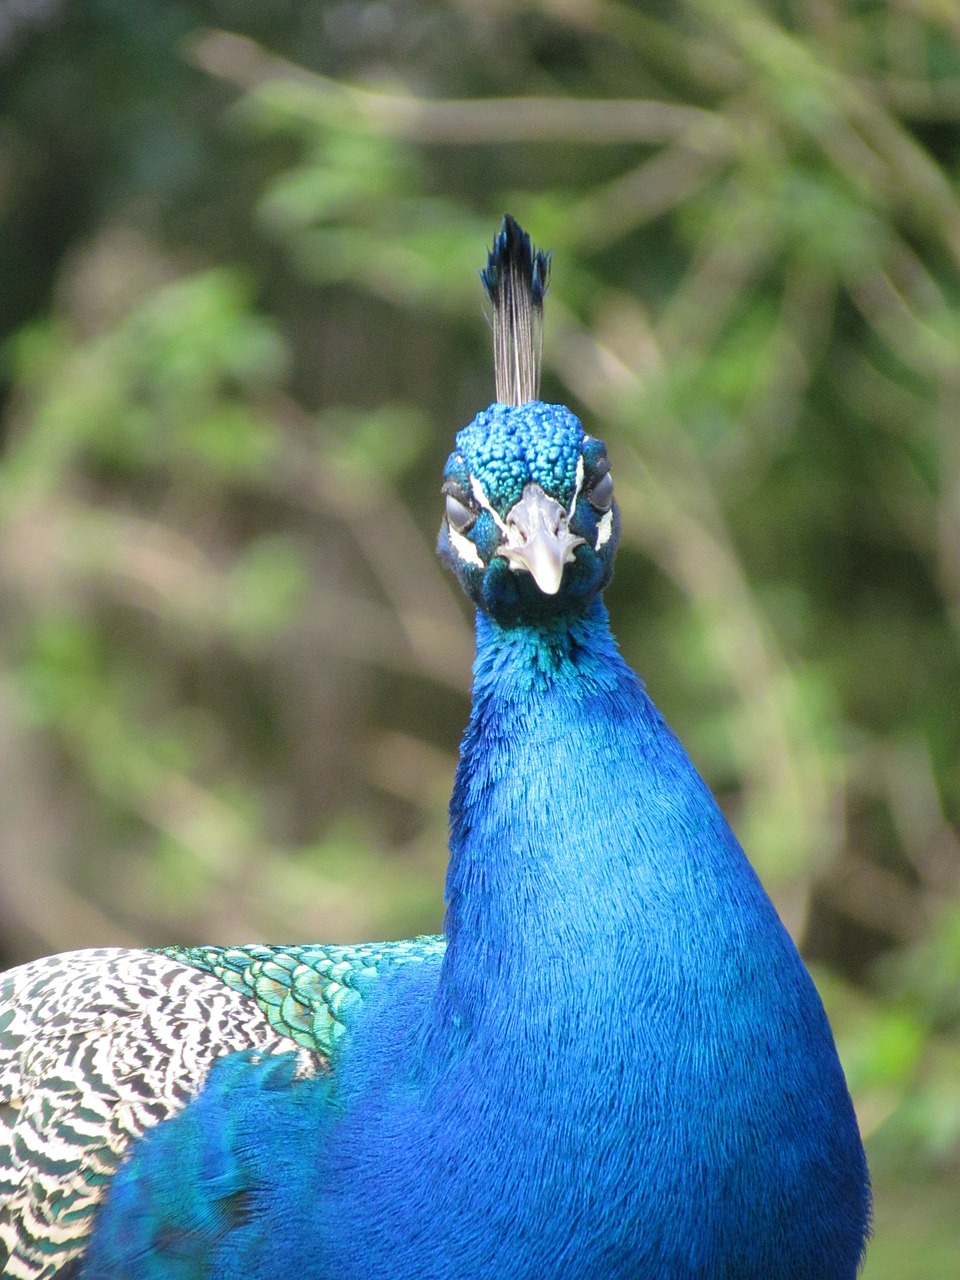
(241, 321)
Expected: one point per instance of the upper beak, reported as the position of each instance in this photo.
(538, 539)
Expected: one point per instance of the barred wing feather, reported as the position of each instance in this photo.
(95, 1047)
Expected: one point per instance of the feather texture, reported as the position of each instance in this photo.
(131, 1036)
(614, 1066)
(516, 278)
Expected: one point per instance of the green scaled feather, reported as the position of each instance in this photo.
(308, 992)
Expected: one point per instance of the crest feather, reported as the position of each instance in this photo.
(516, 278)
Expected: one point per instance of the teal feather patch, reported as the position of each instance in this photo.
(309, 993)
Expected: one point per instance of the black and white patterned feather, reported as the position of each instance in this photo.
(95, 1048)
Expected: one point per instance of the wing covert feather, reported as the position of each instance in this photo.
(96, 1047)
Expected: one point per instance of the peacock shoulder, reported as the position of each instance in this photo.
(98, 1046)
(308, 992)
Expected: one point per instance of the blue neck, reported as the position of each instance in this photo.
(544, 872)
(607, 943)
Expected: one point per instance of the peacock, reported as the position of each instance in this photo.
(612, 1066)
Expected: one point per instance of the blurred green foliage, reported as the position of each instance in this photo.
(242, 323)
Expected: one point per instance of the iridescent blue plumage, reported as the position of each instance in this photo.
(506, 448)
(617, 1066)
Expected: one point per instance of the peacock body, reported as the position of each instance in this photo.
(614, 1065)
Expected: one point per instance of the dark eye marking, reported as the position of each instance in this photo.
(460, 507)
(599, 490)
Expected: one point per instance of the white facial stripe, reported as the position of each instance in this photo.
(464, 547)
(576, 492)
(604, 530)
(481, 497)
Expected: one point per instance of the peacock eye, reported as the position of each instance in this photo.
(600, 493)
(459, 515)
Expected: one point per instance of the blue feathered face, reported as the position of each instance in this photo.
(530, 527)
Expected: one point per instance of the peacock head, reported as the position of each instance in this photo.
(530, 526)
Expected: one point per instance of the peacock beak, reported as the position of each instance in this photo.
(538, 540)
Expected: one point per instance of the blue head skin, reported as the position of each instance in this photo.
(530, 527)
